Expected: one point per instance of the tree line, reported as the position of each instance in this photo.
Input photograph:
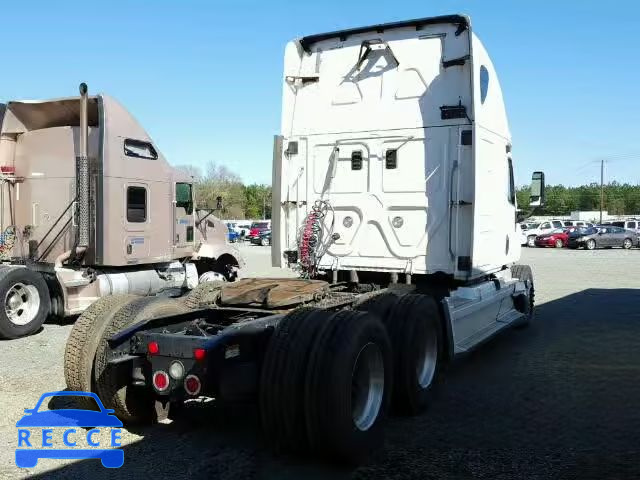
(619, 199)
(238, 200)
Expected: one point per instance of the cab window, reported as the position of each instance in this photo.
(511, 187)
(139, 149)
(136, 204)
(557, 224)
(184, 197)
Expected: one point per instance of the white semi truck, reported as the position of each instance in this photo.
(394, 198)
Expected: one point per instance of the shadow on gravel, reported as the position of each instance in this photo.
(560, 399)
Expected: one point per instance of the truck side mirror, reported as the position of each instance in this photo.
(218, 203)
(536, 198)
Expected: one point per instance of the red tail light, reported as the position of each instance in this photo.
(7, 169)
(153, 348)
(192, 385)
(199, 354)
(161, 380)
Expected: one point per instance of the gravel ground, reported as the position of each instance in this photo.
(560, 399)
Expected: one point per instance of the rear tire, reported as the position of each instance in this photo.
(348, 387)
(627, 244)
(281, 395)
(591, 244)
(83, 341)
(416, 333)
(131, 404)
(26, 302)
(559, 243)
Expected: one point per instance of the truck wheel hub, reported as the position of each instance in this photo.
(22, 303)
(367, 386)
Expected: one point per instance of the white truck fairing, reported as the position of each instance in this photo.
(398, 127)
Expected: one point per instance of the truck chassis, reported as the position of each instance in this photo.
(325, 362)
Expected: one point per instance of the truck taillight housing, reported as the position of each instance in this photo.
(7, 170)
(199, 354)
(192, 385)
(153, 348)
(160, 381)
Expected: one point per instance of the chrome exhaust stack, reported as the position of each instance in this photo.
(82, 170)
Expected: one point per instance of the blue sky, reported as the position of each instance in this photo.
(204, 78)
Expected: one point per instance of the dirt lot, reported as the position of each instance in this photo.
(560, 399)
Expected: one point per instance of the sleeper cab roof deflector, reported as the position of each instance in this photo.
(461, 21)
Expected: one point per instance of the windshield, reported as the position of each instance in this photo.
(260, 225)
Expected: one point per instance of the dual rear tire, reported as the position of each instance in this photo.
(342, 418)
(329, 379)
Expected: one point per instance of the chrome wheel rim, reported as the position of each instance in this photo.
(367, 386)
(591, 244)
(531, 241)
(627, 243)
(427, 361)
(558, 243)
(22, 303)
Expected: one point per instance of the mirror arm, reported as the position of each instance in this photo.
(522, 218)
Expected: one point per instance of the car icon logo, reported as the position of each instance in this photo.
(35, 432)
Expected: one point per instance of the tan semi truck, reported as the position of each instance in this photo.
(89, 207)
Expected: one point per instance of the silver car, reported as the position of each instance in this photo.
(603, 236)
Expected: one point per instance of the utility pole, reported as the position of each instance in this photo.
(601, 188)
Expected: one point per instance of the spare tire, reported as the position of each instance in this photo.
(415, 330)
(281, 395)
(347, 387)
(86, 334)
(207, 293)
(131, 404)
(26, 302)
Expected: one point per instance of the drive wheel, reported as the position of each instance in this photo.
(558, 243)
(415, 330)
(345, 415)
(627, 244)
(131, 404)
(264, 241)
(83, 341)
(25, 299)
(531, 241)
(591, 244)
(281, 395)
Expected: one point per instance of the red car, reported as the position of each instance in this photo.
(257, 228)
(555, 238)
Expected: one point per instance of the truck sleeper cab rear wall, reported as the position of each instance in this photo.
(403, 143)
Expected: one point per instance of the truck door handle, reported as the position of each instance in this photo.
(129, 249)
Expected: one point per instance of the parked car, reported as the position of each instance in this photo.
(576, 223)
(529, 233)
(603, 236)
(232, 235)
(244, 229)
(630, 224)
(257, 228)
(556, 238)
(263, 239)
